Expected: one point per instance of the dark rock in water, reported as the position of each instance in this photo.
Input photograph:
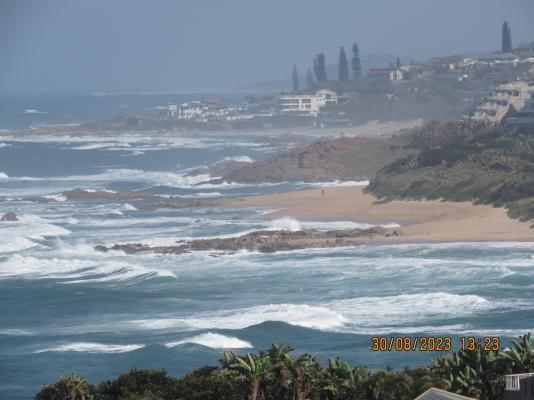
(264, 241)
(9, 217)
(79, 194)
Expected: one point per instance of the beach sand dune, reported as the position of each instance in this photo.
(421, 221)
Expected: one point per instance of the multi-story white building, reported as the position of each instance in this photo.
(307, 104)
(172, 110)
(330, 97)
(495, 106)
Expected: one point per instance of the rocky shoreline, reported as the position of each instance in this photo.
(264, 241)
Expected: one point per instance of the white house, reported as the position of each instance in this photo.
(307, 104)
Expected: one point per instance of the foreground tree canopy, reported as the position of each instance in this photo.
(278, 374)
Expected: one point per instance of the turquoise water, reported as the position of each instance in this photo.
(66, 308)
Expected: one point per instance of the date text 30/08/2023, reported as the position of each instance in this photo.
(434, 343)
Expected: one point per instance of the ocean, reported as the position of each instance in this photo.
(67, 308)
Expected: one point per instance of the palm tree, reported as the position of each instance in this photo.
(306, 374)
(520, 356)
(342, 382)
(68, 387)
(475, 373)
(253, 369)
(281, 377)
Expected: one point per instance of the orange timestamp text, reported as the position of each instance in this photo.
(434, 343)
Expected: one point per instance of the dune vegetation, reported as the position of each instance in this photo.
(464, 162)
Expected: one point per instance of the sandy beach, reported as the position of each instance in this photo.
(421, 221)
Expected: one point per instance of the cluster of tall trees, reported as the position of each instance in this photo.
(506, 38)
(278, 374)
(319, 74)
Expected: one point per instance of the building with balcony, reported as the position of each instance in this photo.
(307, 104)
(496, 105)
(519, 387)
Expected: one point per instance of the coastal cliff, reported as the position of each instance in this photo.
(354, 158)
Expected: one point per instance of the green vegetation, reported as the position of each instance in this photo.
(319, 68)
(343, 66)
(356, 63)
(295, 79)
(309, 79)
(506, 38)
(277, 374)
(465, 161)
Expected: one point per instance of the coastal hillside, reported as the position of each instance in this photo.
(327, 160)
(491, 168)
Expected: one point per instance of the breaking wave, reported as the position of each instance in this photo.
(87, 347)
(214, 341)
(27, 232)
(77, 270)
(356, 315)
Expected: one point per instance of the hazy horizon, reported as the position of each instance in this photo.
(168, 46)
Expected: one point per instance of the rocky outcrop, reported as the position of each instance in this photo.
(264, 241)
(9, 217)
(355, 158)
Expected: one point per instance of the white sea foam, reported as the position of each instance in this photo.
(292, 224)
(88, 347)
(129, 207)
(214, 341)
(409, 308)
(3, 176)
(91, 146)
(27, 232)
(243, 159)
(55, 197)
(4, 145)
(163, 178)
(285, 224)
(337, 183)
(34, 111)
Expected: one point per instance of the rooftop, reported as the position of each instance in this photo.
(438, 394)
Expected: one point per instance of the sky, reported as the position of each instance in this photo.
(218, 45)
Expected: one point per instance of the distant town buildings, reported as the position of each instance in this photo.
(447, 77)
(452, 63)
(391, 74)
